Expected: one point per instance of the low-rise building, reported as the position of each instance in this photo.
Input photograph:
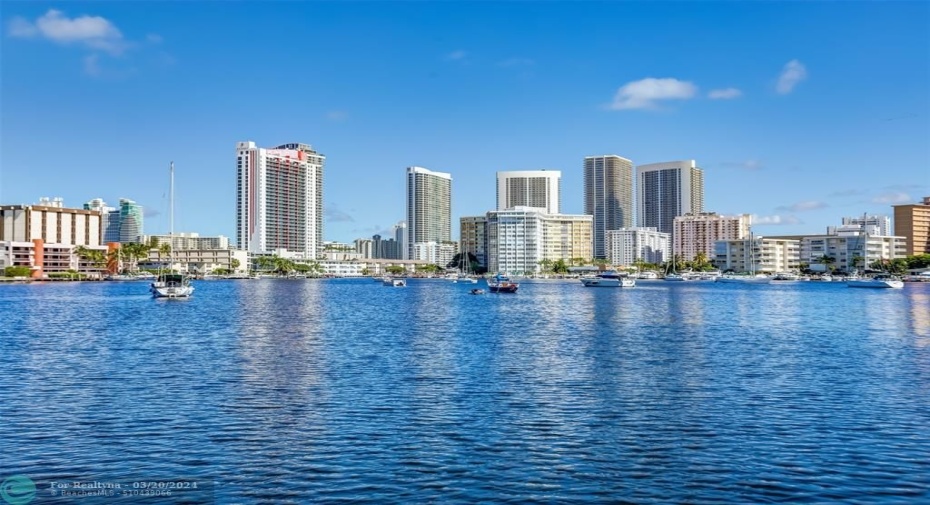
(46, 237)
(199, 261)
(181, 241)
(758, 254)
(522, 238)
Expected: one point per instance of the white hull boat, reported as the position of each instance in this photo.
(881, 282)
(608, 280)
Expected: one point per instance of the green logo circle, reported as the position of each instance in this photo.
(18, 490)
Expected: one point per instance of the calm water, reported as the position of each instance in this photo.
(302, 391)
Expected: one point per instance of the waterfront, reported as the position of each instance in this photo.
(318, 390)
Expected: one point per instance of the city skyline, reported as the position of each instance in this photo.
(794, 129)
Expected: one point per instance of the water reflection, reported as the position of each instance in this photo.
(348, 390)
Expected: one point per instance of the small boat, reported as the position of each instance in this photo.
(648, 275)
(172, 285)
(675, 277)
(476, 291)
(465, 279)
(879, 281)
(502, 284)
(786, 276)
(609, 279)
(397, 283)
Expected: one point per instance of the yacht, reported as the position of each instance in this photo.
(391, 281)
(609, 279)
(745, 279)
(648, 275)
(879, 281)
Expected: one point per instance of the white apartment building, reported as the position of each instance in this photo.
(473, 237)
(608, 196)
(435, 253)
(429, 208)
(529, 188)
(759, 255)
(847, 249)
(279, 199)
(668, 190)
(626, 245)
(520, 238)
(874, 225)
(182, 241)
(44, 238)
(697, 233)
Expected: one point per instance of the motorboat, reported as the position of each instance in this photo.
(609, 279)
(394, 282)
(745, 279)
(879, 281)
(502, 284)
(476, 291)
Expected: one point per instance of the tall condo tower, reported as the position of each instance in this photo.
(608, 196)
(130, 221)
(529, 188)
(279, 199)
(429, 207)
(668, 190)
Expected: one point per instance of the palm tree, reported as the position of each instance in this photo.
(559, 267)
(546, 264)
(234, 264)
(700, 261)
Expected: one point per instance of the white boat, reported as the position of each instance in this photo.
(648, 275)
(397, 283)
(172, 285)
(879, 281)
(745, 279)
(608, 279)
(465, 279)
(786, 276)
(675, 277)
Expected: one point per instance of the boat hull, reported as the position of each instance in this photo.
(504, 287)
(608, 283)
(744, 280)
(877, 284)
(172, 291)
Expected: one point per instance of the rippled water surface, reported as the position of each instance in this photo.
(331, 390)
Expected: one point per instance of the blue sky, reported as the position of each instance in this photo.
(799, 113)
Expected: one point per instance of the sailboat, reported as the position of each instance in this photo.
(753, 277)
(171, 284)
(880, 281)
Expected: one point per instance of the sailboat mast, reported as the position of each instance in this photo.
(171, 215)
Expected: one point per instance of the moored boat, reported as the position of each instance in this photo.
(609, 279)
(879, 281)
(502, 284)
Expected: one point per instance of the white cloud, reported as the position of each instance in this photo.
(93, 32)
(774, 220)
(724, 94)
(644, 94)
(792, 73)
(803, 206)
(457, 55)
(892, 198)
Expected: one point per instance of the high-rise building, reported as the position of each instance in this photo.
(279, 200)
(608, 196)
(668, 190)
(627, 245)
(109, 218)
(429, 208)
(130, 221)
(400, 236)
(697, 233)
(529, 188)
(473, 232)
(913, 222)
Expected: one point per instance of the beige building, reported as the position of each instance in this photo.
(473, 237)
(698, 233)
(759, 255)
(199, 261)
(529, 188)
(520, 238)
(846, 250)
(44, 237)
(913, 223)
(181, 241)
